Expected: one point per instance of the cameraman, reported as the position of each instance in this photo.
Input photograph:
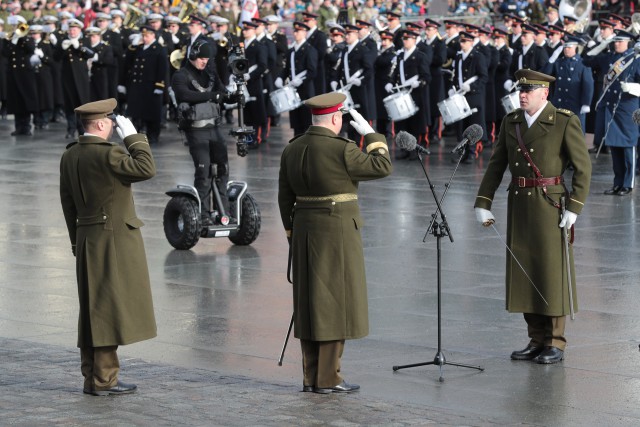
(199, 91)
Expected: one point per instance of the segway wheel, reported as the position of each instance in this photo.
(181, 222)
(249, 223)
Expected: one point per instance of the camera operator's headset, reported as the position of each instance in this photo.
(195, 49)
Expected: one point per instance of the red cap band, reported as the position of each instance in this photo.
(327, 110)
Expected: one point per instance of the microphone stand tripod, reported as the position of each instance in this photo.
(439, 230)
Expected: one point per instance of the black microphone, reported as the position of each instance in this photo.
(471, 135)
(636, 116)
(408, 142)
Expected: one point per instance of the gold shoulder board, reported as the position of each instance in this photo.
(565, 111)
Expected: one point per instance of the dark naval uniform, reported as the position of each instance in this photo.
(305, 58)
(384, 66)
(436, 87)
(574, 85)
(535, 59)
(502, 75)
(319, 177)
(101, 70)
(554, 140)
(44, 82)
(22, 98)
(318, 40)
(147, 71)
(255, 110)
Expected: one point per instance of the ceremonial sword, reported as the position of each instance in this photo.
(566, 230)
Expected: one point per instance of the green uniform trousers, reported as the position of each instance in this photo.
(546, 331)
(100, 367)
(321, 363)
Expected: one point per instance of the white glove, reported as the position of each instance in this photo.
(556, 54)
(278, 83)
(485, 217)
(125, 127)
(232, 86)
(14, 40)
(296, 81)
(66, 44)
(591, 44)
(39, 52)
(585, 109)
(34, 60)
(122, 89)
(508, 84)
(568, 219)
(359, 123)
(158, 91)
(356, 81)
(95, 57)
(452, 92)
(631, 88)
(75, 43)
(216, 36)
(334, 85)
(175, 39)
(415, 84)
(246, 76)
(135, 39)
(53, 39)
(3, 35)
(466, 87)
(388, 87)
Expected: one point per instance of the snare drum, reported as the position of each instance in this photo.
(454, 108)
(511, 102)
(400, 106)
(348, 103)
(285, 99)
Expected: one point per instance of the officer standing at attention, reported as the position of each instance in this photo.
(319, 176)
(537, 142)
(111, 266)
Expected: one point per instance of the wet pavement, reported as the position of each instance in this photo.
(223, 310)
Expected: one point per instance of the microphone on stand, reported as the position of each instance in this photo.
(471, 135)
(635, 117)
(408, 142)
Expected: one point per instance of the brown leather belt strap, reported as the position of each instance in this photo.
(523, 182)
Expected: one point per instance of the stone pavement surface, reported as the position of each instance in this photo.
(222, 310)
(40, 386)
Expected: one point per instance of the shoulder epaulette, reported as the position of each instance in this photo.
(517, 110)
(565, 111)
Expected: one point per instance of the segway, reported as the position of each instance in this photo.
(183, 224)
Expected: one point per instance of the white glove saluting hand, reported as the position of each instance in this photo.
(485, 217)
(125, 127)
(508, 84)
(334, 85)
(568, 219)
(359, 123)
(388, 87)
(278, 83)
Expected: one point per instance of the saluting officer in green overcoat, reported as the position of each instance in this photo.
(551, 140)
(111, 266)
(318, 185)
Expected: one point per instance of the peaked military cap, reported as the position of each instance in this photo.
(526, 28)
(415, 25)
(154, 17)
(297, 25)
(117, 12)
(573, 41)
(337, 30)
(386, 35)
(249, 25)
(259, 21)
(466, 36)
(75, 23)
(326, 103)
(363, 24)
(351, 28)
(306, 16)
(93, 31)
(147, 29)
(605, 23)
(570, 18)
(273, 19)
(392, 14)
(49, 19)
(497, 32)
(555, 29)
(103, 16)
(35, 29)
(623, 35)
(97, 109)
(197, 19)
(552, 7)
(410, 34)
(431, 23)
(529, 79)
(170, 19)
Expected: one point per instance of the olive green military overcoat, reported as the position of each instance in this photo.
(554, 141)
(329, 284)
(111, 266)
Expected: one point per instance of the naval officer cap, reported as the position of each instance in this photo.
(530, 80)
(75, 23)
(273, 19)
(327, 103)
(97, 109)
(622, 35)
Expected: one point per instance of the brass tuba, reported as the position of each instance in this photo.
(188, 7)
(20, 31)
(580, 9)
(132, 17)
(176, 57)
